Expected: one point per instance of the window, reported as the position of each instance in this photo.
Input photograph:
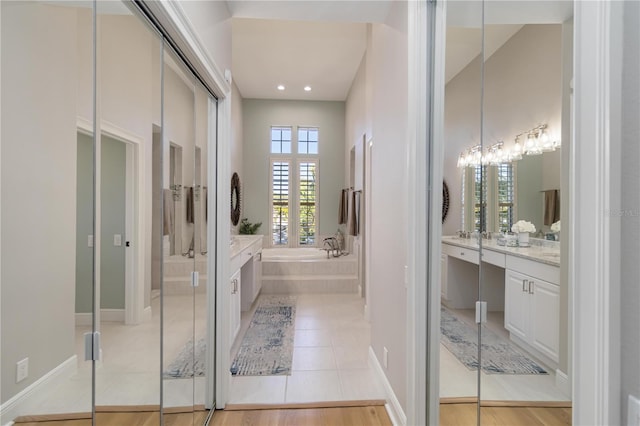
(294, 186)
(506, 185)
(281, 140)
(280, 202)
(480, 196)
(307, 203)
(492, 191)
(307, 140)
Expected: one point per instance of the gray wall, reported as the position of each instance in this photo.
(112, 193)
(388, 294)
(38, 189)
(84, 225)
(630, 242)
(258, 117)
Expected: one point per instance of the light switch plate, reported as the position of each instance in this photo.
(90, 241)
(117, 240)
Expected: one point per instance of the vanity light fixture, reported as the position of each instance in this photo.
(537, 141)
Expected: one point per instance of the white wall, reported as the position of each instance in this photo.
(258, 117)
(237, 143)
(212, 22)
(389, 106)
(38, 189)
(522, 89)
(355, 113)
(630, 243)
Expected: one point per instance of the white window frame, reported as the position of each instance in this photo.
(281, 159)
(311, 158)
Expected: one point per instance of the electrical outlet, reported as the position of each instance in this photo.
(633, 411)
(22, 370)
(385, 357)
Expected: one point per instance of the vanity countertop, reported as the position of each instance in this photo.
(241, 242)
(548, 253)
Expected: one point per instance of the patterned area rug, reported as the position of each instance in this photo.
(267, 346)
(499, 356)
(186, 364)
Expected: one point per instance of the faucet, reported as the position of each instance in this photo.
(330, 244)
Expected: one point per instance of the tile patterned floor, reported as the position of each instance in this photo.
(330, 356)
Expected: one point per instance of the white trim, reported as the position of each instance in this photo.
(147, 314)
(222, 256)
(171, 15)
(216, 141)
(596, 278)
(563, 383)
(425, 164)
(106, 315)
(135, 217)
(45, 385)
(394, 409)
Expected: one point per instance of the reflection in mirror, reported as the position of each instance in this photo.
(129, 109)
(463, 126)
(179, 347)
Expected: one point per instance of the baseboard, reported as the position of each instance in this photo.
(106, 315)
(563, 383)
(393, 407)
(45, 384)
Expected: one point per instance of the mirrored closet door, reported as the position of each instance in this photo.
(507, 107)
(106, 140)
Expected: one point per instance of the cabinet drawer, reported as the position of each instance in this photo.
(468, 255)
(534, 269)
(493, 257)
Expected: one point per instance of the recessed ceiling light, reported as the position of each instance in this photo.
(307, 88)
(280, 87)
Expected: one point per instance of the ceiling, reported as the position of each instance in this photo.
(321, 43)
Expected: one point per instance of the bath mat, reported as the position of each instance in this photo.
(186, 364)
(499, 356)
(267, 346)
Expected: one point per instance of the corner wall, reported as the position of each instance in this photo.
(388, 86)
(38, 190)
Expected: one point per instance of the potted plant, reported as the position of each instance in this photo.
(248, 228)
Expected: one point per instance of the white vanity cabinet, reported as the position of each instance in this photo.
(532, 305)
(234, 305)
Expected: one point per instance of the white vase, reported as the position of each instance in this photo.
(523, 239)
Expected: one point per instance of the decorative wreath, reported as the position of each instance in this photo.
(445, 200)
(235, 199)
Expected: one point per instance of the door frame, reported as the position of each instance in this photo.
(134, 312)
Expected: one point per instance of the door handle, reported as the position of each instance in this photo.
(531, 285)
(524, 284)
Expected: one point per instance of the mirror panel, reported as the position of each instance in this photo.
(179, 347)
(460, 279)
(129, 104)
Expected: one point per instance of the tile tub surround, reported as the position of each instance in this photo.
(320, 275)
(540, 251)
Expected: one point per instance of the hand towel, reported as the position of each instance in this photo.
(551, 207)
(167, 212)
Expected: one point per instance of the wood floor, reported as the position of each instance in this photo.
(462, 414)
(466, 414)
(128, 419)
(334, 416)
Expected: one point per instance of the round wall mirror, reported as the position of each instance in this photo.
(445, 200)
(235, 199)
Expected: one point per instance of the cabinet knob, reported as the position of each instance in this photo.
(461, 253)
